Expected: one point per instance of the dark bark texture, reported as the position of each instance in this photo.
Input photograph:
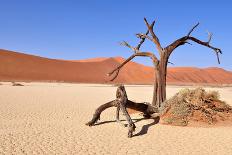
(160, 69)
(122, 103)
(160, 65)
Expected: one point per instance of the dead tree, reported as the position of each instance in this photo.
(160, 68)
(122, 102)
(160, 65)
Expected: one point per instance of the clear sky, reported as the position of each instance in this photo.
(75, 29)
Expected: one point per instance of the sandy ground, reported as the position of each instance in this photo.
(49, 118)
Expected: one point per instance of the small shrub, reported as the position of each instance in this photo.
(196, 104)
(213, 95)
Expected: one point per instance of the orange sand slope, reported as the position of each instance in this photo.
(18, 66)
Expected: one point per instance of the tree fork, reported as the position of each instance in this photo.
(160, 65)
(122, 102)
(160, 68)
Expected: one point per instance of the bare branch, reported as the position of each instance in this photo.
(183, 40)
(170, 63)
(115, 76)
(142, 40)
(155, 38)
(124, 43)
(216, 50)
(141, 35)
(136, 51)
(119, 67)
(209, 36)
(182, 43)
(187, 43)
(144, 54)
(192, 29)
(218, 58)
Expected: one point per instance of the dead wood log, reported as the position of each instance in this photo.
(122, 102)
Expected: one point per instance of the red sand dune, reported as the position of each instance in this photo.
(91, 60)
(23, 67)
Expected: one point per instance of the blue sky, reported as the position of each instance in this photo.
(74, 29)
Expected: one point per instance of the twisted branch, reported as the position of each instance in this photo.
(143, 54)
(124, 43)
(136, 52)
(141, 35)
(155, 38)
(184, 40)
(167, 50)
(192, 29)
(209, 36)
(216, 50)
(142, 39)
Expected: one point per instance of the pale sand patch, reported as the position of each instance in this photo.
(49, 118)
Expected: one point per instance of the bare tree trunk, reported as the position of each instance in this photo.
(155, 89)
(163, 69)
(160, 67)
(159, 92)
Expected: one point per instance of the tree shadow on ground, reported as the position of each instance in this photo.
(123, 120)
(146, 127)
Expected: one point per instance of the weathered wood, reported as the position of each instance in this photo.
(122, 103)
(160, 65)
(143, 54)
(99, 110)
(122, 99)
(155, 38)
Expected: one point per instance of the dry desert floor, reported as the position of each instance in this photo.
(49, 118)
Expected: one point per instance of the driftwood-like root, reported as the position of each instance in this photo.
(117, 117)
(122, 103)
(99, 110)
(122, 100)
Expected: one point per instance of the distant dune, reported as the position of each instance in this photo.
(23, 67)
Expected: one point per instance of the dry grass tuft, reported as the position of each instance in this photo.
(195, 105)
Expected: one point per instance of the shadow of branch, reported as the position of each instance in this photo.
(146, 127)
(134, 120)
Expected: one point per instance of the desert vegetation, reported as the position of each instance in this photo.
(195, 105)
(160, 63)
(49, 118)
(160, 70)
